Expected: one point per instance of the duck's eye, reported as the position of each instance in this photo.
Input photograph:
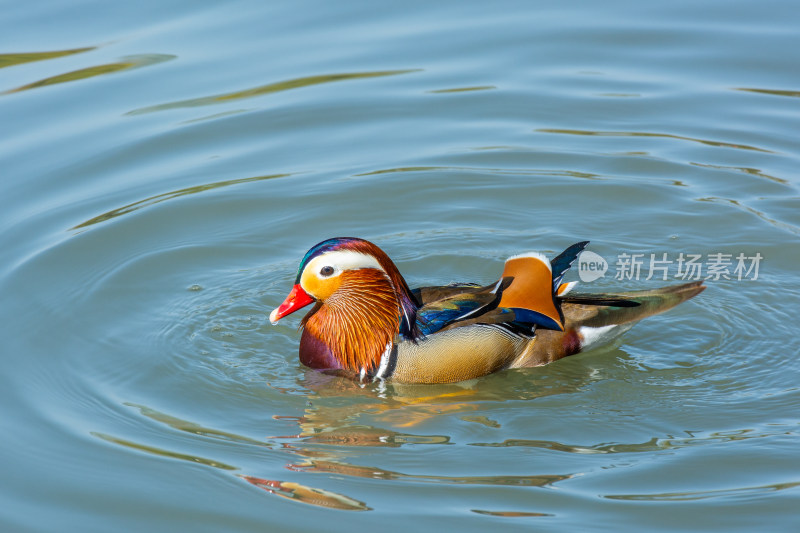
(326, 271)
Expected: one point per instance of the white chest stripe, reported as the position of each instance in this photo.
(384, 366)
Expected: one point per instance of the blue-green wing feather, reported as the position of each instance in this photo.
(434, 317)
(444, 306)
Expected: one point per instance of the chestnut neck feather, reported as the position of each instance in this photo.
(359, 320)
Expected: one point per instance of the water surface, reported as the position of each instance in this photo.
(166, 165)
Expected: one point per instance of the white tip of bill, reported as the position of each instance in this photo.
(273, 316)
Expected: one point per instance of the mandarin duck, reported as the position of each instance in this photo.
(368, 324)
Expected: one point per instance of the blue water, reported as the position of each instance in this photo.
(165, 166)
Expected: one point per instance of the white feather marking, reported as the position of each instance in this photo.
(408, 320)
(595, 337)
(384, 366)
(501, 329)
(533, 255)
(567, 288)
(470, 313)
(496, 287)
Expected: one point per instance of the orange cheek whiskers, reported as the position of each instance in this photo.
(359, 320)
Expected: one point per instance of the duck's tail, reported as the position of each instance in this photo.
(594, 309)
(594, 320)
(537, 296)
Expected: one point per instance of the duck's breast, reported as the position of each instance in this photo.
(314, 353)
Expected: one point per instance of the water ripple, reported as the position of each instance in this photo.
(194, 428)
(719, 144)
(744, 170)
(702, 494)
(760, 214)
(652, 445)
(135, 206)
(372, 472)
(500, 171)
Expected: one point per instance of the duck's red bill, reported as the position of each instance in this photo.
(297, 299)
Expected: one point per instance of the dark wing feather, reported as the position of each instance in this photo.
(599, 299)
(564, 260)
(426, 295)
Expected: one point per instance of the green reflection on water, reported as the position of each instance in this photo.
(124, 210)
(162, 452)
(464, 89)
(744, 170)
(286, 85)
(9, 60)
(511, 514)
(773, 92)
(129, 62)
(196, 429)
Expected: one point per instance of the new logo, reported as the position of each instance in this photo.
(591, 266)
